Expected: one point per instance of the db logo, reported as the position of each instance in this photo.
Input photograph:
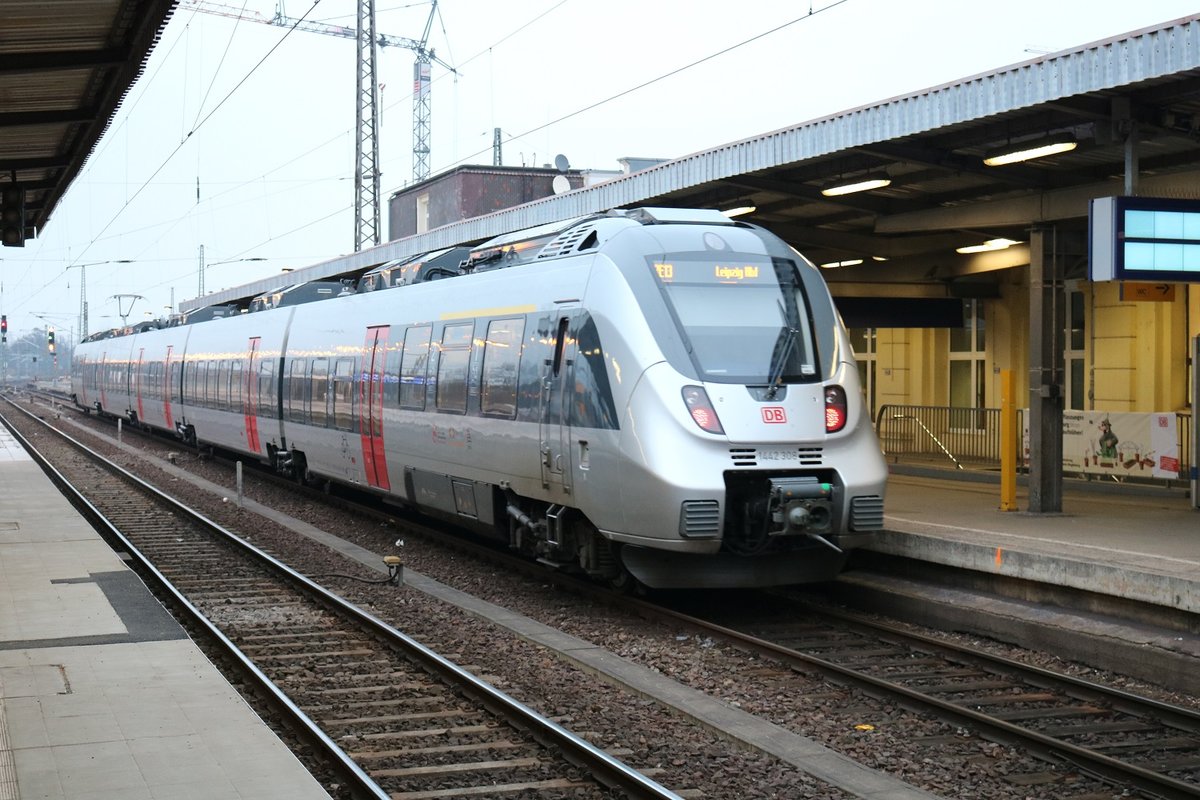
(773, 415)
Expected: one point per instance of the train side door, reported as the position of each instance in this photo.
(370, 406)
(85, 369)
(555, 422)
(249, 381)
(166, 387)
(137, 383)
(102, 375)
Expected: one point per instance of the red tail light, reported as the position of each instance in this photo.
(701, 409)
(835, 409)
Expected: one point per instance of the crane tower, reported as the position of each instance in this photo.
(367, 214)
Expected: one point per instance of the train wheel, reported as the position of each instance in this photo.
(624, 581)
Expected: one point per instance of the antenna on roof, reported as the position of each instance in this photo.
(560, 183)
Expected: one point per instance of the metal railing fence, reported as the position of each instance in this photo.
(970, 437)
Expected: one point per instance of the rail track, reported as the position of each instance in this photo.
(394, 718)
(1144, 746)
(1140, 744)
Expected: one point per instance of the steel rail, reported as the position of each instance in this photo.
(1109, 769)
(301, 722)
(600, 764)
(1119, 699)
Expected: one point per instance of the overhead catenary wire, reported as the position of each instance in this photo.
(102, 235)
(288, 32)
(811, 13)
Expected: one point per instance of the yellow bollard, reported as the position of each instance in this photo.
(1008, 442)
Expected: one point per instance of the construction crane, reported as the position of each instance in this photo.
(367, 214)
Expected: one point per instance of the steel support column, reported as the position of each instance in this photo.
(1045, 372)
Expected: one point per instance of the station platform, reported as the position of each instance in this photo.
(1117, 571)
(102, 694)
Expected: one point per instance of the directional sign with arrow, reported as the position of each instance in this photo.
(1161, 292)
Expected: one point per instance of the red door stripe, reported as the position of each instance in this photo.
(167, 390)
(249, 390)
(370, 407)
(138, 385)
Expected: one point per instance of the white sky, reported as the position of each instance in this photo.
(248, 150)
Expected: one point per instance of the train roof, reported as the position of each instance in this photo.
(512, 249)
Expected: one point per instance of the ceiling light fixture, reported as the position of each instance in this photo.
(852, 262)
(857, 186)
(739, 211)
(1026, 151)
(988, 246)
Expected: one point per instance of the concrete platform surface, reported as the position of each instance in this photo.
(102, 694)
(1126, 542)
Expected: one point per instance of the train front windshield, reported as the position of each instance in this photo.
(743, 316)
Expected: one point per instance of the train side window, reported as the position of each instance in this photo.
(413, 367)
(343, 394)
(223, 385)
(237, 382)
(501, 362)
(560, 341)
(194, 378)
(211, 396)
(320, 392)
(173, 381)
(266, 388)
(391, 373)
(297, 390)
(453, 362)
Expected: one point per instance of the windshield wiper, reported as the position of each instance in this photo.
(783, 353)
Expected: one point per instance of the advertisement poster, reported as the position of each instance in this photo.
(1121, 443)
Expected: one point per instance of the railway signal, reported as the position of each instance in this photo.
(50, 339)
(12, 215)
(3, 328)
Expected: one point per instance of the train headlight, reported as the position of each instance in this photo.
(701, 409)
(835, 409)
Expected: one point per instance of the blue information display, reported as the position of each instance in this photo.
(1144, 239)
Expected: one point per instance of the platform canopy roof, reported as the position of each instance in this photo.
(1130, 104)
(64, 69)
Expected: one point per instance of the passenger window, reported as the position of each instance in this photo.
(320, 392)
(501, 362)
(227, 379)
(391, 372)
(453, 362)
(343, 394)
(266, 388)
(211, 398)
(413, 366)
(194, 372)
(237, 383)
(297, 390)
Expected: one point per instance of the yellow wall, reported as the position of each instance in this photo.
(1136, 352)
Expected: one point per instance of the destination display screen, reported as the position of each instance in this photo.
(1144, 239)
(733, 272)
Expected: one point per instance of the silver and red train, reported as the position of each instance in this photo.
(660, 394)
